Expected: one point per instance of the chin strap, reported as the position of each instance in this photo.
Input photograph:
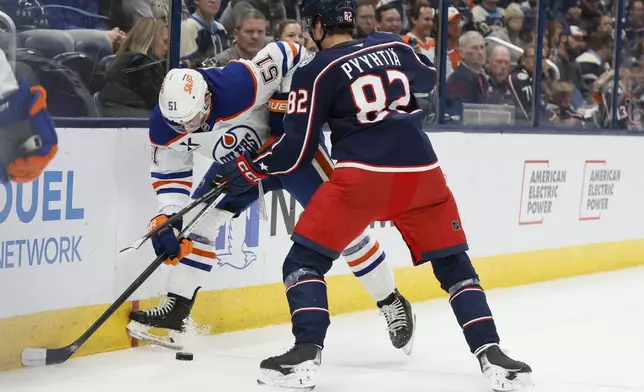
(318, 43)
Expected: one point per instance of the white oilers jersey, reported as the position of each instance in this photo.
(237, 123)
(424, 47)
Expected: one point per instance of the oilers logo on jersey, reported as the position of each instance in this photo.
(235, 142)
(238, 240)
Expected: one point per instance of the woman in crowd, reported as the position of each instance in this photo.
(291, 30)
(135, 75)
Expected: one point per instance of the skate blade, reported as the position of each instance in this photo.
(407, 348)
(283, 388)
(302, 378)
(522, 382)
(140, 332)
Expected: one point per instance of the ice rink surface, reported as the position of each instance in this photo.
(579, 335)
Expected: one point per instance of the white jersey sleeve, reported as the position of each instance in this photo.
(272, 66)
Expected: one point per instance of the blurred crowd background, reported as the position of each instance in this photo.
(107, 58)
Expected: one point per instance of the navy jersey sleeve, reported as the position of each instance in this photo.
(423, 78)
(308, 107)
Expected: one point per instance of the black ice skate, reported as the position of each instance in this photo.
(401, 321)
(172, 315)
(295, 369)
(504, 373)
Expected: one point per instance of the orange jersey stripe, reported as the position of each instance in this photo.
(293, 49)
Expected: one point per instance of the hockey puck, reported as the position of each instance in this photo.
(184, 356)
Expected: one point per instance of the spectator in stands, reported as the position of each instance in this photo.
(135, 75)
(514, 18)
(577, 41)
(530, 9)
(560, 106)
(590, 11)
(250, 37)
(634, 27)
(512, 32)
(573, 16)
(421, 20)
(605, 24)
(453, 34)
(289, 30)
(160, 9)
(498, 69)
(273, 11)
(630, 108)
(468, 83)
(388, 19)
(488, 13)
(555, 32)
(202, 36)
(365, 18)
(569, 69)
(593, 62)
(522, 80)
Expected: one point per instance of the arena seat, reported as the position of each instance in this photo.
(88, 70)
(92, 42)
(49, 43)
(105, 61)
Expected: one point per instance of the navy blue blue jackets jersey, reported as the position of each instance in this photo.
(364, 90)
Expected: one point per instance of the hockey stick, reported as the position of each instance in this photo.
(47, 356)
(138, 243)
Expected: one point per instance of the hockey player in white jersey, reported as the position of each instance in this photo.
(223, 113)
(28, 140)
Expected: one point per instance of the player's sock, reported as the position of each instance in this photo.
(467, 298)
(186, 276)
(505, 373)
(368, 264)
(470, 307)
(306, 293)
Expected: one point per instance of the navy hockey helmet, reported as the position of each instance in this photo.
(330, 13)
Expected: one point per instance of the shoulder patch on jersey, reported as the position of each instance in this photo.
(308, 59)
(523, 75)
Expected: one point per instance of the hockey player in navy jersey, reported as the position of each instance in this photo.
(221, 113)
(28, 140)
(386, 170)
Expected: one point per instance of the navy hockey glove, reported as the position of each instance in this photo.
(166, 241)
(240, 174)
